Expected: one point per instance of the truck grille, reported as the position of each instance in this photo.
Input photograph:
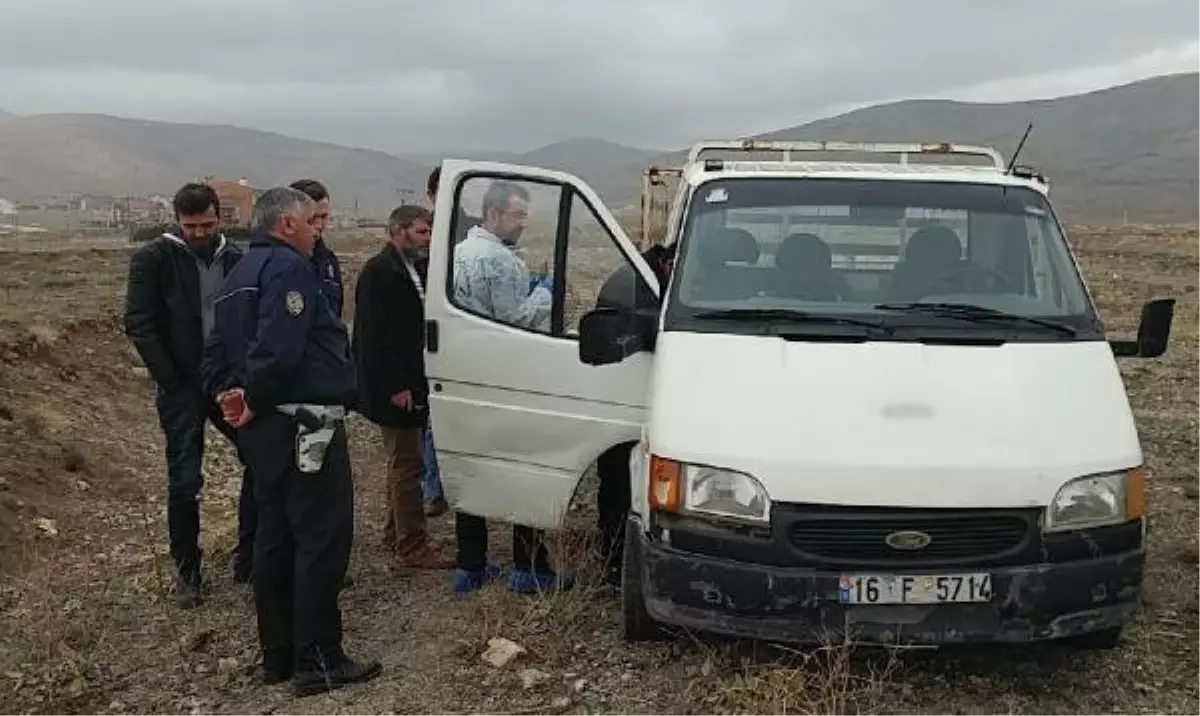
(857, 536)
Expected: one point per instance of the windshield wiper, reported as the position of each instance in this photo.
(785, 315)
(970, 312)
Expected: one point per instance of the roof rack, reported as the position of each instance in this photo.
(787, 147)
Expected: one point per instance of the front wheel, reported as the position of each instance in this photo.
(636, 622)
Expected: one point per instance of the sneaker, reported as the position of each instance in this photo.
(345, 672)
(522, 581)
(468, 581)
(427, 556)
(436, 507)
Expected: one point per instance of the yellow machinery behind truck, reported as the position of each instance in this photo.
(658, 192)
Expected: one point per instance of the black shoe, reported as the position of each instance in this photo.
(270, 676)
(241, 569)
(347, 581)
(347, 671)
(187, 588)
(436, 507)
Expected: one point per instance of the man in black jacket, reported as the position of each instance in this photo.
(388, 345)
(625, 290)
(462, 220)
(326, 262)
(329, 268)
(168, 315)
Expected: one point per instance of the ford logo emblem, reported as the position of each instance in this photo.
(907, 540)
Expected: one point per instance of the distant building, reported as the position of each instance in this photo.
(237, 200)
(7, 208)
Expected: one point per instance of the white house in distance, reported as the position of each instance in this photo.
(7, 208)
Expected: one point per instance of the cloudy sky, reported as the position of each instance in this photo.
(515, 74)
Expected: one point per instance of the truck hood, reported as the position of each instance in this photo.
(889, 423)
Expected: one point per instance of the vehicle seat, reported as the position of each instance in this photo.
(932, 252)
(717, 280)
(804, 270)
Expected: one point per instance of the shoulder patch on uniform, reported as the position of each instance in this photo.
(294, 302)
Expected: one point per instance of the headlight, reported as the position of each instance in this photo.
(677, 487)
(1096, 500)
(723, 492)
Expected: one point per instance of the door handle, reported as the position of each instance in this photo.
(431, 336)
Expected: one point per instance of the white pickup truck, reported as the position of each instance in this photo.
(875, 398)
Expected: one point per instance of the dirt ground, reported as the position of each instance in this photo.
(88, 624)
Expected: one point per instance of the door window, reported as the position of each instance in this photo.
(504, 250)
(533, 254)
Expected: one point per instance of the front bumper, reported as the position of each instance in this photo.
(800, 605)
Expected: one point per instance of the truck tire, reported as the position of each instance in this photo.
(636, 622)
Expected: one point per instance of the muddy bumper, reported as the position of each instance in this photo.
(789, 604)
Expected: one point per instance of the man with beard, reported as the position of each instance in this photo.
(492, 280)
(168, 315)
(489, 277)
(388, 345)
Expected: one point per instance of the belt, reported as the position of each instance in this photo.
(312, 412)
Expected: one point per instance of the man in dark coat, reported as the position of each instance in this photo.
(168, 314)
(325, 261)
(329, 268)
(462, 220)
(388, 346)
(625, 290)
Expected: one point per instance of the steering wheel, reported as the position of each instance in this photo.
(999, 283)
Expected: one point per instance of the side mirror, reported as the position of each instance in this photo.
(610, 335)
(1154, 331)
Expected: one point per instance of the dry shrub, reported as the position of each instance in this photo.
(835, 678)
(56, 640)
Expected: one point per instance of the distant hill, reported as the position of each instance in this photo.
(1132, 148)
(98, 154)
(1128, 149)
(614, 170)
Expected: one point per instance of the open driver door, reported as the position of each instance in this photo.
(517, 415)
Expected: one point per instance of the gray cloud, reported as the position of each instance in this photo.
(518, 73)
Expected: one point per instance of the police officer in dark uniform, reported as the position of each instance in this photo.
(277, 364)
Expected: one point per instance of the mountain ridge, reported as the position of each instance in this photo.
(1126, 149)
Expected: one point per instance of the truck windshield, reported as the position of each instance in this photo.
(905, 256)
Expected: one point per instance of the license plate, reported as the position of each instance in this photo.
(914, 588)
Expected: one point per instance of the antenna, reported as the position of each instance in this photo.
(1020, 145)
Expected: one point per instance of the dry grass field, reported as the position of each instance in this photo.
(87, 623)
